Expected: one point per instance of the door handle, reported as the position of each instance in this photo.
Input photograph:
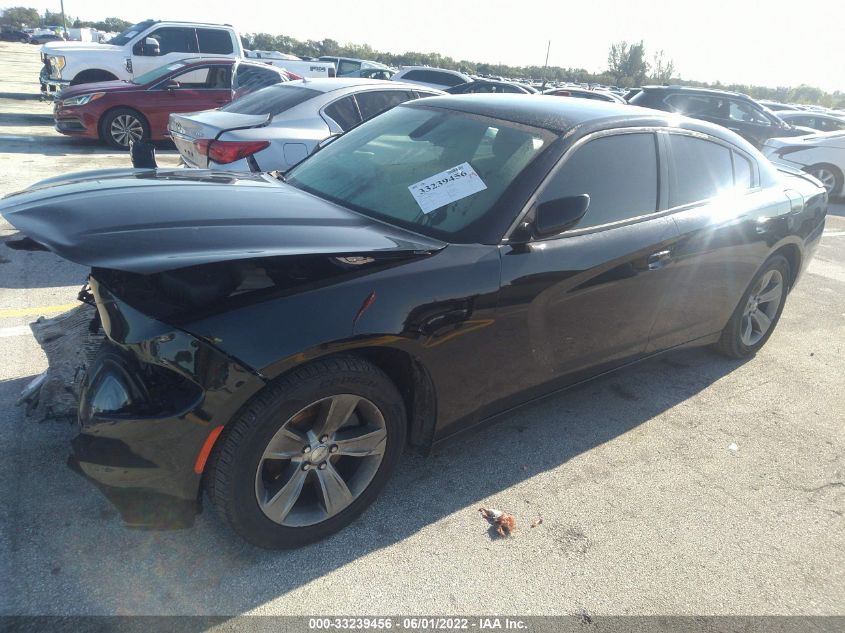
(659, 260)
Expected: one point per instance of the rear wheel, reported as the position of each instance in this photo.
(123, 126)
(830, 177)
(759, 310)
(309, 454)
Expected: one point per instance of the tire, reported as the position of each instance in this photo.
(744, 335)
(243, 481)
(829, 175)
(121, 125)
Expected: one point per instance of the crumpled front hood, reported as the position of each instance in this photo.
(148, 221)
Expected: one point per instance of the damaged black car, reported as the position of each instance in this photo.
(275, 343)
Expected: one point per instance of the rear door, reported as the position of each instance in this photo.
(715, 201)
(585, 302)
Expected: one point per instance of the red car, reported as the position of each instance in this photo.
(118, 112)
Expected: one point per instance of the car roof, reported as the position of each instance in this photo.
(563, 115)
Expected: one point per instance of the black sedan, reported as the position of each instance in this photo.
(278, 344)
(14, 36)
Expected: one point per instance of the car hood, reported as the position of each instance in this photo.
(100, 86)
(63, 48)
(149, 221)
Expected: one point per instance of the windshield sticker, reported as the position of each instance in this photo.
(447, 186)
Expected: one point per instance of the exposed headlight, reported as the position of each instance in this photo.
(57, 63)
(82, 99)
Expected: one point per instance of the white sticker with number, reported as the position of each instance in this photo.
(447, 186)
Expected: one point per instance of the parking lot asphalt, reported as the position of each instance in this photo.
(689, 484)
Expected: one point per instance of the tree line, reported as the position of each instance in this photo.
(628, 64)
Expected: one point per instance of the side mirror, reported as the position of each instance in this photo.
(559, 214)
(151, 47)
(552, 217)
(172, 85)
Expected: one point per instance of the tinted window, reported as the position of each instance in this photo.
(271, 100)
(446, 79)
(691, 105)
(699, 170)
(743, 112)
(434, 77)
(829, 125)
(618, 172)
(251, 78)
(344, 112)
(215, 41)
(742, 172)
(376, 102)
(175, 40)
(346, 67)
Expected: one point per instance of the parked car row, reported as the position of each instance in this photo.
(257, 134)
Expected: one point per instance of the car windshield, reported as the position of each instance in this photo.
(128, 34)
(436, 172)
(158, 73)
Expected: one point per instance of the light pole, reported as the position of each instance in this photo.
(64, 22)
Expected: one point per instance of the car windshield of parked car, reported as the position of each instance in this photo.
(128, 34)
(157, 73)
(272, 100)
(437, 172)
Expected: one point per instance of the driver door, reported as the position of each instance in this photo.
(584, 301)
(174, 43)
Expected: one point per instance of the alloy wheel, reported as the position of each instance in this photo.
(761, 307)
(827, 178)
(320, 460)
(125, 128)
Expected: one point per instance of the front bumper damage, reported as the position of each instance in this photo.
(149, 403)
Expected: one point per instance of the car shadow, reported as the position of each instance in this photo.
(12, 119)
(97, 564)
(59, 145)
(21, 96)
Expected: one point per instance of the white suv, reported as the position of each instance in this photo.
(140, 48)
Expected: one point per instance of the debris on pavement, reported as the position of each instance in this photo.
(536, 522)
(733, 448)
(503, 522)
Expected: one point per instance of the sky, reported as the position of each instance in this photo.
(769, 43)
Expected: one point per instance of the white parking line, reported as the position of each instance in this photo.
(17, 330)
(833, 233)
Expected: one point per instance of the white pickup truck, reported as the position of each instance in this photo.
(140, 48)
(303, 68)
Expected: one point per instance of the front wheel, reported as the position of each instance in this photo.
(123, 126)
(759, 310)
(309, 454)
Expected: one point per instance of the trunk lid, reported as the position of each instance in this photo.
(186, 128)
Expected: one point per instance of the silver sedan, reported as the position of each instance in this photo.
(275, 128)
